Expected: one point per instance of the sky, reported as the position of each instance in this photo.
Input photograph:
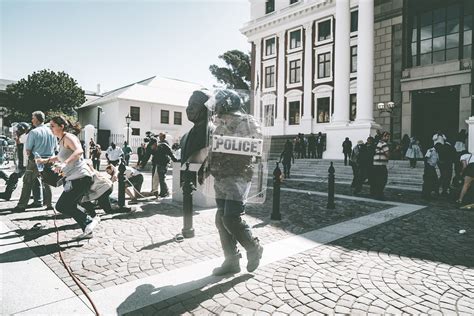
(116, 43)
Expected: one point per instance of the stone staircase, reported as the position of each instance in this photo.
(400, 175)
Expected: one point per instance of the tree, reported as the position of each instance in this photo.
(45, 91)
(237, 73)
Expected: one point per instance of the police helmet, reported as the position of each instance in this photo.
(227, 101)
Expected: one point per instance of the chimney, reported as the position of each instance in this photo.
(98, 88)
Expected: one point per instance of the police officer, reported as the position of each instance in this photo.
(232, 180)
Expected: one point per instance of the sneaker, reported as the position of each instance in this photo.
(163, 195)
(90, 227)
(253, 258)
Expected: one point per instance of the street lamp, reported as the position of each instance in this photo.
(3, 111)
(386, 107)
(128, 119)
(99, 111)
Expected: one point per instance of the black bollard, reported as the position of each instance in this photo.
(331, 187)
(188, 184)
(121, 188)
(276, 193)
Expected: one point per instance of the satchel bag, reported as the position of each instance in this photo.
(51, 177)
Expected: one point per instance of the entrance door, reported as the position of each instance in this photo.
(433, 110)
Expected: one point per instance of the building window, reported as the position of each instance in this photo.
(269, 6)
(353, 59)
(270, 46)
(165, 117)
(269, 114)
(324, 30)
(135, 132)
(294, 113)
(177, 118)
(135, 113)
(323, 110)
(324, 65)
(436, 35)
(353, 107)
(354, 20)
(295, 39)
(293, 1)
(295, 71)
(269, 77)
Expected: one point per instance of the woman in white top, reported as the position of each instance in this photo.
(77, 174)
(467, 161)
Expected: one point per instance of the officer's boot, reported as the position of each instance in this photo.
(229, 245)
(229, 266)
(241, 231)
(253, 256)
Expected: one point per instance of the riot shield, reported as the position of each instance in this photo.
(236, 164)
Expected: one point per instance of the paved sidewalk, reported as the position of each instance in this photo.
(364, 256)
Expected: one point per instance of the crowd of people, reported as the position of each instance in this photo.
(55, 147)
(369, 161)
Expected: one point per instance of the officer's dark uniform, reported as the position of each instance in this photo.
(232, 175)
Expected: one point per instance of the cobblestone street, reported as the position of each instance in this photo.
(413, 262)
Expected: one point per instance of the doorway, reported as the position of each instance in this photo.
(433, 110)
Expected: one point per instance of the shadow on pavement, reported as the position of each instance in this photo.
(31, 234)
(157, 245)
(26, 253)
(146, 293)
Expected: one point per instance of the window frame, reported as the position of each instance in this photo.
(297, 119)
(319, 51)
(354, 33)
(269, 8)
(290, 59)
(317, 42)
(265, 56)
(288, 40)
(352, 104)
(162, 116)
(352, 56)
(132, 114)
(317, 110)
(134, 130)
(175, 117)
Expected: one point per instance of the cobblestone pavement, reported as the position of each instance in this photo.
(131, 246)
(415, 264)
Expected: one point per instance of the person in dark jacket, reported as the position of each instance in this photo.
(287, 158)
(164, 155)
(320, 144)
(346, 150)
(311, 146)
(447, 157)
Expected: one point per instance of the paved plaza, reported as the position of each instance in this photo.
(402, 255)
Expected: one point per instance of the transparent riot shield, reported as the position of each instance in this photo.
(236, 165)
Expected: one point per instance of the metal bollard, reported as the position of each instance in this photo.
(121, 187)
(188, 184)
(331, 178)
(276, 193)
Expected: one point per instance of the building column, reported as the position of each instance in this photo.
(365, 63)
(307, 120)
(342, 63)
(258, 76)
(280, 122)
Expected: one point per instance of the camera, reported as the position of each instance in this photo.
(150, 138)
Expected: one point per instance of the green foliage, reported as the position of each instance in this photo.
(237, 73)
(45, 91)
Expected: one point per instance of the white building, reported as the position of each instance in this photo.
(326, 65)
(154, 104)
